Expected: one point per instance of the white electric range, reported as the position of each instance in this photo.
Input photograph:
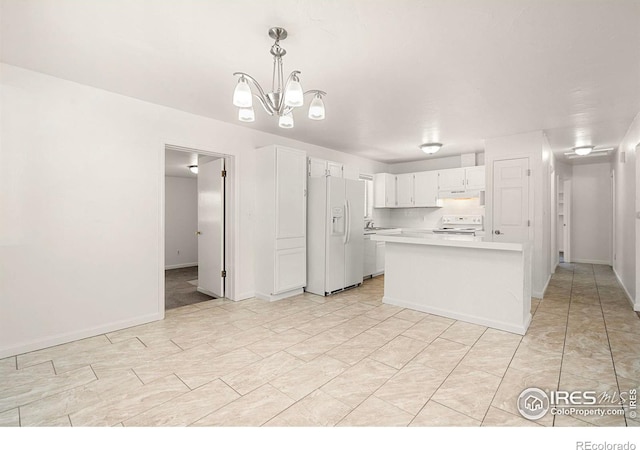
(465, 224)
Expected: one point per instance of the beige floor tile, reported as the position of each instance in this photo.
(51, 353)
(411, 387)
(383, 312)
(593, 365)
(426, 330)
(10, 418)
(27, 375)
(251, 410)
(357, 348)
(261, 372)
(316, 409)
(499, 418)
(391, 327)
(321, 324)
(463, 333)
(354, 310)
(399, 351)
(190, 340)
(105, 353)
(472, 399)
(487, 358)
(116, 363)
(354, 327)
(515, 381)
(557, 308)
(158, 368)
(186, 408)
(358, 382)
(29, 392)
(317, 345)
(374, 412)
(531, 357)
(436, 415)
(411, 315)
(119, 408)
(279, 342)
(442, 354)
(8, 365)
(307, 378)
(208, 370)
(242, 339)
(48, 410)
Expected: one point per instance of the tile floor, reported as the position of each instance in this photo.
(346, 360)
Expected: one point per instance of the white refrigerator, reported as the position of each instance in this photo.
(335, 234)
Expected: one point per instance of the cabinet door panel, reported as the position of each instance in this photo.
(451, 179)
(335, 169)
(290, 269)
(426, 189)
(475, 177)
(379, 257)
(369, 256)
(405, 190)
(291, 183)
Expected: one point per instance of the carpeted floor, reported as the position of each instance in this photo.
(177, 289)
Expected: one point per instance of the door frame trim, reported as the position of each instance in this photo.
(231, 219)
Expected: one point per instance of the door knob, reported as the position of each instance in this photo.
(497, 232)
(198, 233)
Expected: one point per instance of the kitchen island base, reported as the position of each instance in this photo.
(485, 283)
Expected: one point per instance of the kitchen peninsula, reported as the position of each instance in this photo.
(461, 277)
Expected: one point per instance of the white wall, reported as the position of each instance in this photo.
(181, 222)
(431, 163)
(80, 235)
(591, 213)
(627, 227)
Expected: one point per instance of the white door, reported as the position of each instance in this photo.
(566, 225)
(405, 190)
(211, 228)
(511, 219)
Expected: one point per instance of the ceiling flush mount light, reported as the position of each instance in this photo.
(193, 169)
(583, 150)
(431, 148)
(284, 95)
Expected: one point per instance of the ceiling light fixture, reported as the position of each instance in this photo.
(583, 150)
(284, 96)
(431, 148)
(193, 169)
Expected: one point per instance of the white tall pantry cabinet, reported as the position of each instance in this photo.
(281, 222)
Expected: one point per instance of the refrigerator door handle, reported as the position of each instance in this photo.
(347, 233)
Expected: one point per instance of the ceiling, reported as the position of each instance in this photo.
(177, 162)
(398, 72)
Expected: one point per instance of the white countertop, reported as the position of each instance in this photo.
(426, 237)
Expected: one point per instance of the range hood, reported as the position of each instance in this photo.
(460, 193)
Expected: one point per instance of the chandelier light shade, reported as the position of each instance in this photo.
(246, 115)
(193, 169)
(285, 95)
(316, 109)
(431, 148)
(242, 94)
(584, 150)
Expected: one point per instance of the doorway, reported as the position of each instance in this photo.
(195, 223)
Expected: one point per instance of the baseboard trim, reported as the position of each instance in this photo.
(538, 294)
(273, 298)
(518, 329)
(624, 288)
(64, 338)
(591, 261)
(243, 296)
(180, 266)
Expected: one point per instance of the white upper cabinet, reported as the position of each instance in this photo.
(425, 187)
(291, 201)
(334, 169)
(475, 177)
(384, 190)
(321, 168)
(404, 194)
(451, 179)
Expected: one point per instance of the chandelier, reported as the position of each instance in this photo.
(284, 96)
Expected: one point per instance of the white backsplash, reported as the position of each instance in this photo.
(425, 217)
